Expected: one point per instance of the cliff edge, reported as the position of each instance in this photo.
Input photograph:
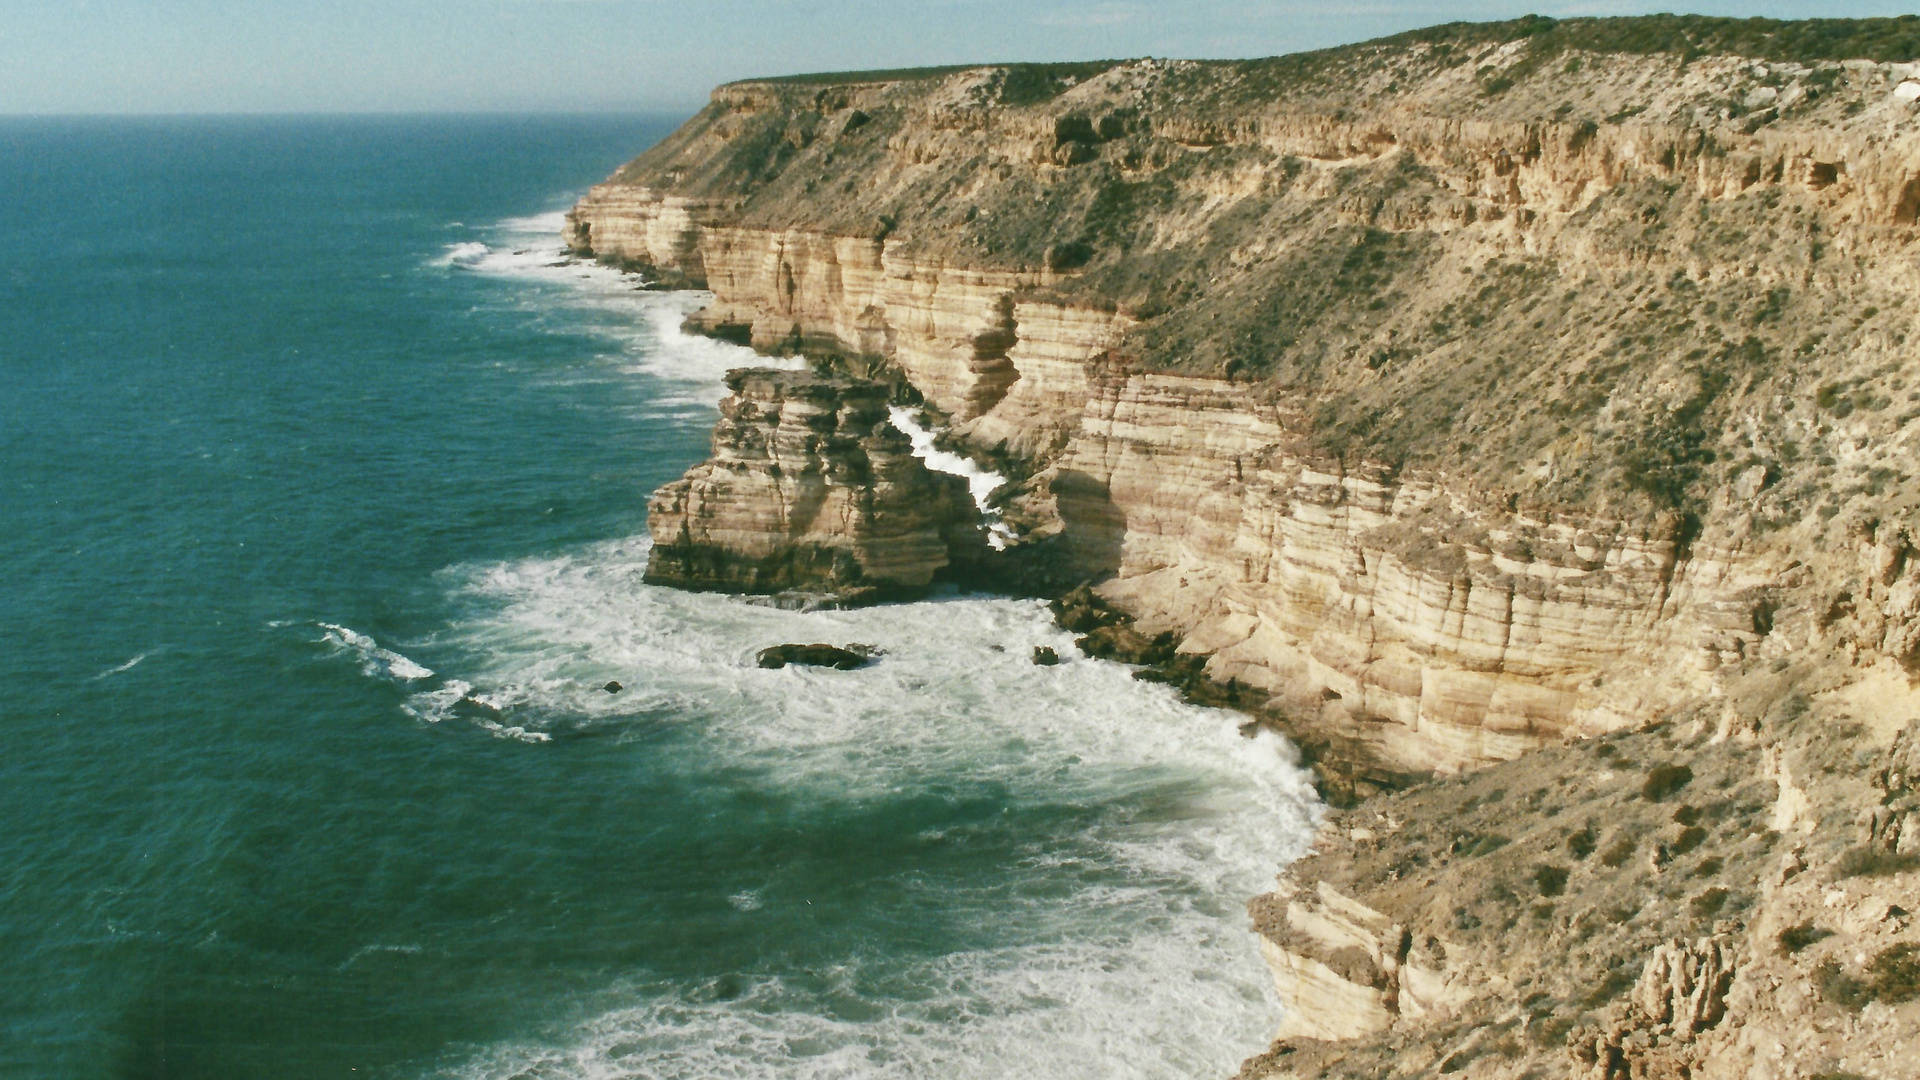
(1443, 398)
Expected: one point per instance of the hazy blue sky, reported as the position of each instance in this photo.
(428, 55)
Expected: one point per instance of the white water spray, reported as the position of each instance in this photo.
(981, 484)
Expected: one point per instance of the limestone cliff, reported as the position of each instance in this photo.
(1724, 894)
(1453, 395)
(1474, 389)
(810, 492)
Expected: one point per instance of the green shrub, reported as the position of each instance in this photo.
(1549, 879)
(1617, 981)
(1665, 780)
(1795, 938)
(1580, 844)
(1837, 986)
(1709, 903)
(1871, 860)
(1895, 973)
(1481, 844)
(1618, 852)
(1892, 976)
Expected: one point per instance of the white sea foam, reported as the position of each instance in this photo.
(365, 951)
(1133, 957)
(548, 224)
(1138, 960)
(981, 483)
(375, 661)
(128, 666)
(645, 325)
(467, 254)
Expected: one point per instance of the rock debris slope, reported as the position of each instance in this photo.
(1449, 396)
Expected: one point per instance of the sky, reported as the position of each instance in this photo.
(274, 56)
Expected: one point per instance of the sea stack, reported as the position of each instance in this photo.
(811, 492)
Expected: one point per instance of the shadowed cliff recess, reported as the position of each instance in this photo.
(1436, 399)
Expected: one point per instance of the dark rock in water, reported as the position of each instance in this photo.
(613, 687)
(816, 655)
(1127, 645)
(1107, 633)
(470, 708)
(1081, 611)
(1045, 656)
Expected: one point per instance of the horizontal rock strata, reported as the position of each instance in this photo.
(810, 491)
(1448, 608)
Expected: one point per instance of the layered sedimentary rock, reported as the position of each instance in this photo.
(1653, 904)
(810, 491)
(1529, 462)
(1453, 395)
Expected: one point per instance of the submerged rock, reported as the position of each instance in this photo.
(472, 708)
(816, 655)
(613, 687)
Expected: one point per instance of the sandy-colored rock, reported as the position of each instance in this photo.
(1412, 604)
(810, 491)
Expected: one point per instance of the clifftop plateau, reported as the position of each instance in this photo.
(1439, 399)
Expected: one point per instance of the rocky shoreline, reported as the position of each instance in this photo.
(1516, 416)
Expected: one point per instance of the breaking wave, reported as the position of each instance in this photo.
(1115, 945)
(1124, 947)
(375, 661)
(644, 324)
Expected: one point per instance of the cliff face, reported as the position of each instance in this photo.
(1463, 396)
(1461, 393)
(810, 492)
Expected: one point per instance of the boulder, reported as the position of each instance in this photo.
(816, 655)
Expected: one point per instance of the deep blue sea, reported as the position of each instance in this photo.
(307, 431)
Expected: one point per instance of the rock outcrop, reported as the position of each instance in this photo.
(1580, 912)
(815, 655)
(810, 492)
(1440, 400)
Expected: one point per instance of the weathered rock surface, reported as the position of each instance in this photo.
(1542, 447)
(810, 491)
(1571, 914)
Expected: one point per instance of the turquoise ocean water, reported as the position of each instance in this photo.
(307, 431)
